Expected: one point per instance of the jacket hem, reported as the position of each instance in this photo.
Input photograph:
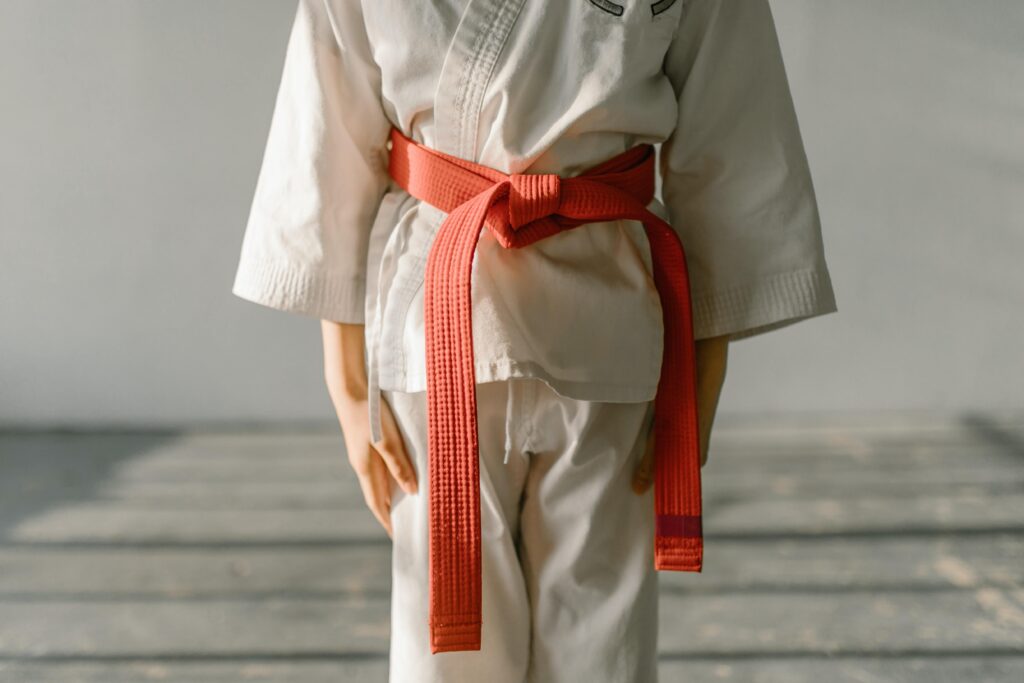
(504, 369)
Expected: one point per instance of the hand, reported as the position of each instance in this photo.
(373, 463)
(711, 364)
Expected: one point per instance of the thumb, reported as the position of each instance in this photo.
(644, 473)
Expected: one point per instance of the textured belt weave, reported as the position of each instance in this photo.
(520, 209)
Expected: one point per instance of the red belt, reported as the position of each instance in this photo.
(520, 209)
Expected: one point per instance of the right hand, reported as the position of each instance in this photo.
(374, 463)
(711, 361)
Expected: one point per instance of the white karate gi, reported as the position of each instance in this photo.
(540, 87)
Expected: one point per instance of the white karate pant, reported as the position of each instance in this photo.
(570, 592)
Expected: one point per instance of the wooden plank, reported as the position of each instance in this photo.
(865, 515)
(834, 565)
(50, 573)
(274, 628)
(743, 625)
(856, 669)
(329, 483)
(253, 443)
(865, 669)
(108, 523)
(939, 622)
(71, 475)
(353, 670)
(893, 463)
(181, 450)
(344, 493)
(243, 468)
(752, 432)
(821, 565)
(923, 424)
(235, 469)
(92, 522)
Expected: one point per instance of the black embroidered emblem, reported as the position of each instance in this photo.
(660, 6)
(617, 9)
(607, 6)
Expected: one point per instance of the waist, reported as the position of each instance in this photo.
(521, 208)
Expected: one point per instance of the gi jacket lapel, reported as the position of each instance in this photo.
(482, 32)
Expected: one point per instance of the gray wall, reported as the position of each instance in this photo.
(131, 135)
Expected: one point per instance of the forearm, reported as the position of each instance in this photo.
(711, 365)
(344, 361)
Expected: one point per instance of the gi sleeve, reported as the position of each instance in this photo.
(735, 178)
(323, 174)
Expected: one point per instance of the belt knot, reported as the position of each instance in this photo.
(532, 196)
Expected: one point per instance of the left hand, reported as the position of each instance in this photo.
(711, 364)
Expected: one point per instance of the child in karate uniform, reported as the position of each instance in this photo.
(568, 332)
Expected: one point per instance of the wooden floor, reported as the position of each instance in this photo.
(861, 549)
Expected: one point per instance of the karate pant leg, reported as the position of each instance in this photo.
(505, 634)
(587, 542)
(569, 587)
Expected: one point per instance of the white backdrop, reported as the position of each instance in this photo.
(131, 135)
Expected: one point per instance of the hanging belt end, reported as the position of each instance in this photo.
(679, 543)
(455, 637)
(676, 559)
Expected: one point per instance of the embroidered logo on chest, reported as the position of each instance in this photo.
(617, 9)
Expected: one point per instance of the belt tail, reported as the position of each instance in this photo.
(679, 541)
(456, 612)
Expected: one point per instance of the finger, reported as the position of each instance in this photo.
(703, 448)
(369, 484)
(643, 475)
(370, 496)
(382, 494)
(392, 450)
(705, 442)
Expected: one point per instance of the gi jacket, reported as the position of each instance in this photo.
(536, 86)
